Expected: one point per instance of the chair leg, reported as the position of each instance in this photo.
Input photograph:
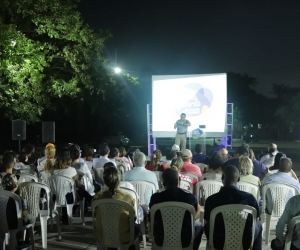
(82, 203)
(70, 215)
(201, 217)
(6, 238)
(13, 239)
(3, 240)
(44, 231)
(143, 229)
(57, 217)
(267, 232)
(32, 238)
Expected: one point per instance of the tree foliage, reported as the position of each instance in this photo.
(47, 52)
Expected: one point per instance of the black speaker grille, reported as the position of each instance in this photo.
(18, 130)
(48, 132)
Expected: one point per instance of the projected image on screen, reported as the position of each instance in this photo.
(203, 98)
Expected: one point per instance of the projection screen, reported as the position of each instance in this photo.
(203, 98)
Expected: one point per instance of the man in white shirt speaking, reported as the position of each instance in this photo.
(182, 128)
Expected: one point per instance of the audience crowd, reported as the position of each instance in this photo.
(107, 172)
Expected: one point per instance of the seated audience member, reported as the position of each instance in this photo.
(22, 162)
(188, 166)
(199, 157)
(139, 172)
(113, 156)
(259, 169)
(269, 162)
(50, 151)
(177, 164)
(29, 150)
(156, 164)
(278, 156)
(292, 209)
(176, 148)
(104, 152)
(246, 170)
(10, 183)
(126, 160)
(82, 166)
(170, 155)
(281, 177)
(112, 179)
(230, 194)
(224, 153)
(215, 168)
(266, 156)
(87, 156)
(174, 193)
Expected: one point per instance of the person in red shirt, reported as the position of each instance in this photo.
(188, 166)
(156, 164)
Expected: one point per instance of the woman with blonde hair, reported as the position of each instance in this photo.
(47, 161)
(177, 164)
(155, 163)
(246, 170)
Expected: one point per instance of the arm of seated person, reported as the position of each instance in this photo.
(75, 178)
(197, 212)
(293, 174)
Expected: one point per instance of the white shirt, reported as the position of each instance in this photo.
(100, 162)
(264, 157)
(269, 162)
(82, 166)
(68, 172)
(89, 164)
(21, 165)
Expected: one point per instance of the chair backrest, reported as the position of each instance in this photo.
(60, 186)
(186, 185)
(206, 188)
(27, 171)
(82, 178)
(249, 188)
(192, 176)
(141, 188)
(159, 179)
(27, 177)
(172, 214)
(279, 193)
(122, 169)
(4, 197)
(234, 217)
(98, 173)
(202, 166)
(31, 191)
(111, 210)
(290, 231)
(134, 195)
(274, 171)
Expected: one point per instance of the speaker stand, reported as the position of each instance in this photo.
(19, 146)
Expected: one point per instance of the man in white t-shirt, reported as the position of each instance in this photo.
(267, 156)
(103, 151)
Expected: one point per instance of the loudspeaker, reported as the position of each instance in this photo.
(18, 130)
(48, 132)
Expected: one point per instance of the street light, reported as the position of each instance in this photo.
(118, 70)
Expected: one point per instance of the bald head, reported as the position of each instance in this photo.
(285, 165)
(272, 145)
(231, 175)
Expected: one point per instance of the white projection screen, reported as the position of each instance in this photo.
(203, 98)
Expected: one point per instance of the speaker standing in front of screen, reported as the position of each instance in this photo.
(182, 127)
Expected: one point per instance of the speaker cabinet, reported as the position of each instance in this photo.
(48, 132)
(19, 130)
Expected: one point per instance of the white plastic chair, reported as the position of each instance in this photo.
(111, 210)
(98, 174)
(249, 188)
(141, 187)
(186, 185)
(27, 171)
(279, 194)
(159, 178)
(31, 191)
(234, 217)
(204, 189)
(274, 171)
(4, 229)
(192, 176)
(172, 214)
(27, 178)
(202, 166)
(60, 186)
(290, 231)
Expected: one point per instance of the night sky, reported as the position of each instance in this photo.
(261, 38)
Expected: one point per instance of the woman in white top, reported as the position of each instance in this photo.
(246, 170)
(82, 166)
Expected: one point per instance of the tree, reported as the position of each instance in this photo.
(47, 53)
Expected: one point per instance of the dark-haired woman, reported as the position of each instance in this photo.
(112, 180)
(8, 162)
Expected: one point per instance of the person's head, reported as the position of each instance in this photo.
(9, 159)
(216, 161)
(186, 155)
(272, 152)
(176, 148)
(156, 157)
(170, 178)
(122, 151)
(171, 154)
(104, 150)
(28, 149)
(75, 152)
(272, 145)
(111, 177)
(251, 154)
(88, 153)
(277, 158)
(113, 153)
(10, 183)
(50, 151)
(246, 145)
(176, 164)
(23, 157)
(242, 150)
(183, 116)
(245, 165)
(285, 165)
(63, 159)
(224, 153)
(231, 176)
(198, 149)
(139, 159)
